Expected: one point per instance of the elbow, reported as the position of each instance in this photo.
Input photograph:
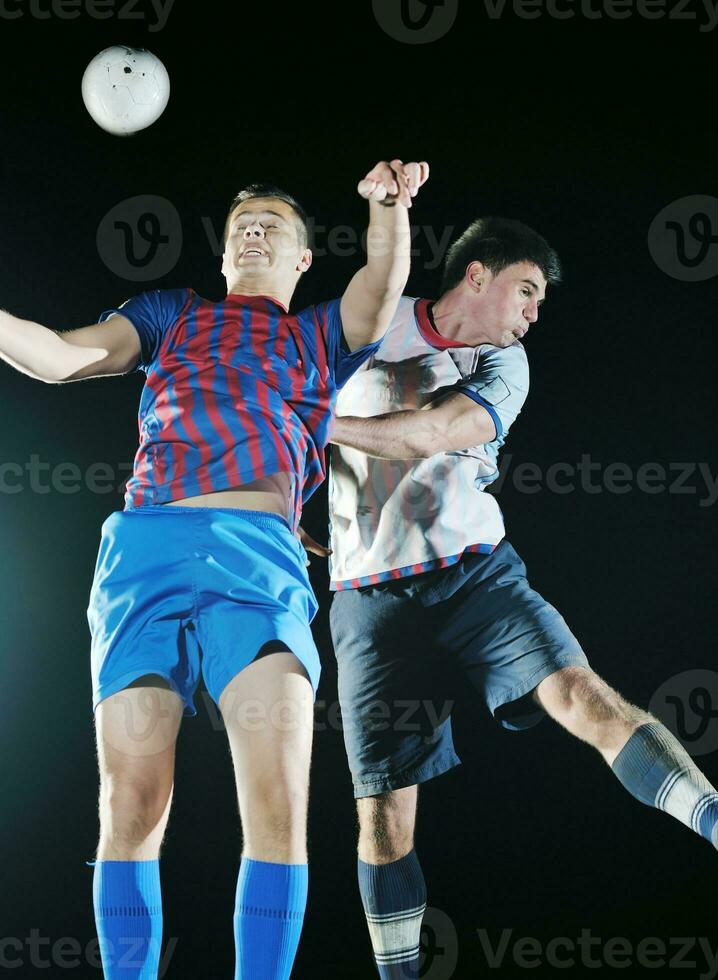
(53, 377)
(427, 451)
(426, 447)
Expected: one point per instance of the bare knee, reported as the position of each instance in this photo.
(268, 711)
(133, 816)
(386, 825)
(583, 703)
(273, 795)
(274, 818)
(136, 733)
(278, 801)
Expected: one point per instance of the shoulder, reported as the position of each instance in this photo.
(405, 324)
(512, 358)
(317, 309)
(163, 302)
(408, 312)
(318, 314)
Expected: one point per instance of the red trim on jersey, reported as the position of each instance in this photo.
(248, 300)
(392, 574)
(427, 326)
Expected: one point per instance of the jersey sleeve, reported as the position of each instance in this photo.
(500, 383)
(342, 362)
(151, 314)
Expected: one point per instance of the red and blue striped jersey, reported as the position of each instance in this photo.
(235, 391)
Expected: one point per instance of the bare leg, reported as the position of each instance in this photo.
(136, 734)
(268, 710)
(647, 759)
(386, 825)
(584, 704)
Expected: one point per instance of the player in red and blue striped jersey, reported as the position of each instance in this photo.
(202, 572)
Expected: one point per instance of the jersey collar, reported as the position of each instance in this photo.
(248, 300)
(423, 310)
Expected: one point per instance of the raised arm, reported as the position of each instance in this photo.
(448, 424)
(102, 349)
(372, 296)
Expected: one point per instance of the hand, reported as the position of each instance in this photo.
(389, 183)
(311, 545)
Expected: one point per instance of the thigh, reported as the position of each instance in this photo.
(505, 636)
(268, 711)
(394, 702)
(136, 732)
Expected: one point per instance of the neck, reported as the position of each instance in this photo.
(281, 295)
(454, 322)
(449, 318)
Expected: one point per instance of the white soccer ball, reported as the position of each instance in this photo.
(125, 89)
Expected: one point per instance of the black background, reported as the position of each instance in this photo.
(583, 128)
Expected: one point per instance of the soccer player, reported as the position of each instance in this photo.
(423, 575)
(203, 569)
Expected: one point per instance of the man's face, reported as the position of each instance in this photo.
(264, 252)
(504, 306)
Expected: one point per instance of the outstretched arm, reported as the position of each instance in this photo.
(41, 353)
(448, 424)
(372, 296)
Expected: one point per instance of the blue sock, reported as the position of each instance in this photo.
(656, 769)
(394, 899)
(128, 915)
(268, 918)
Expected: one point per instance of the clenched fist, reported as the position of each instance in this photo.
(395, 182)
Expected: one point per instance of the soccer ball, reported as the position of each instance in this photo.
(125, 89)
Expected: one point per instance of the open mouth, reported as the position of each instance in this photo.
(253, 252)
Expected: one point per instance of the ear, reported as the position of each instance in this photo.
(305, 261)
(224, 263)
(476, 276)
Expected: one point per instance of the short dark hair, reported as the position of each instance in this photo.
(270, 190)
(498, 243)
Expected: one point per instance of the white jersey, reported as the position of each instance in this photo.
(391, 518)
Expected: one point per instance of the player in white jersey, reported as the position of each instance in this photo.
(426, 582)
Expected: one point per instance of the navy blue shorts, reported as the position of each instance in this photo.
(179, 588)
(399, 645)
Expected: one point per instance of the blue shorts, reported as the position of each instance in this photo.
(401, 646)
(178, 586)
